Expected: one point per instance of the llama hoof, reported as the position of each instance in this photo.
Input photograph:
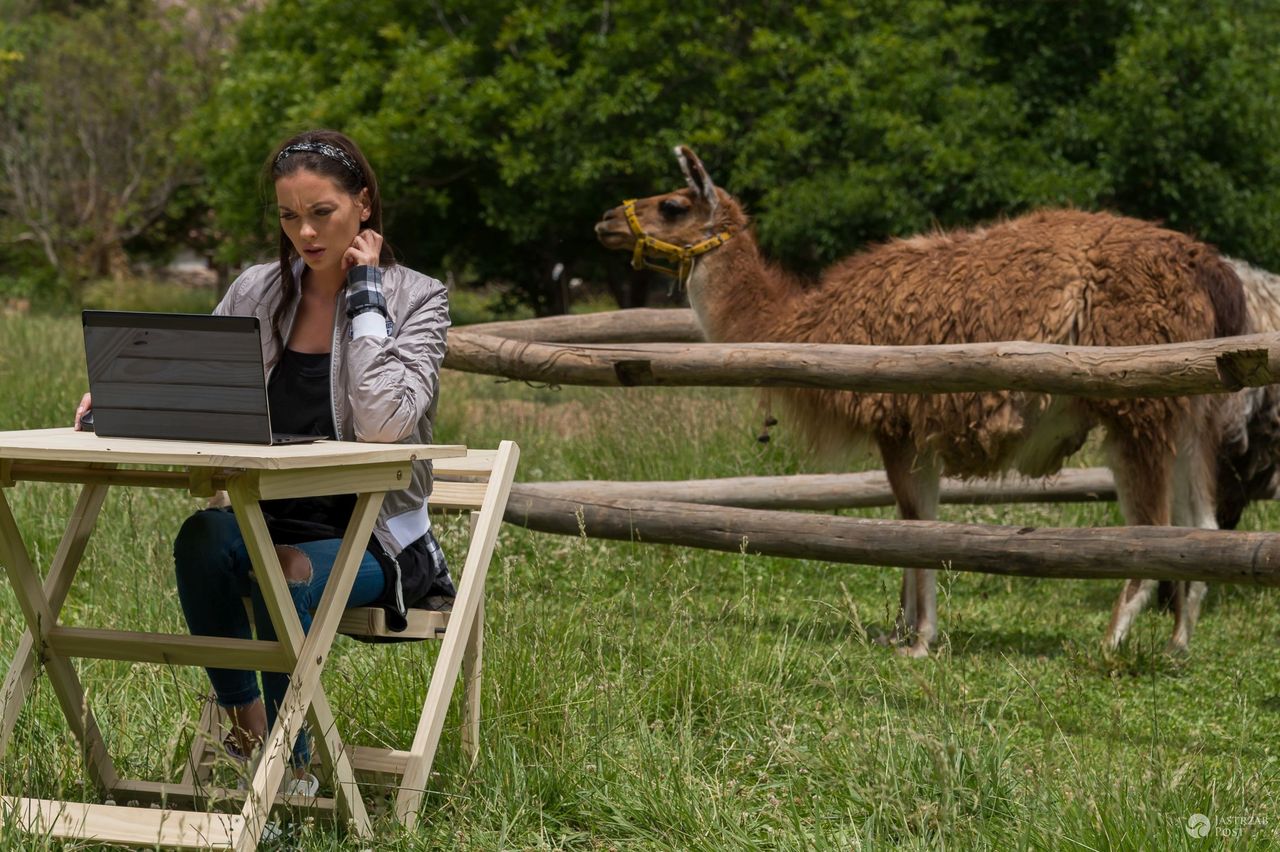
(896, 638)
(1111, 643)
(918, 651)
(1177, 648)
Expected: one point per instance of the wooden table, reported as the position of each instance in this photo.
(248, 474)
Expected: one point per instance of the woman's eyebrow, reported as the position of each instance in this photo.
(321, 203)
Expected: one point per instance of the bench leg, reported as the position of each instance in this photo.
(472, 670)
(206, 745)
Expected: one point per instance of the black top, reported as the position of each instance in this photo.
(298, 394)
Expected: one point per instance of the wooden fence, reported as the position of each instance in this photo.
(742, 514)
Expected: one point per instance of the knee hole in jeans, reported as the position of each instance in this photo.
(295, 565)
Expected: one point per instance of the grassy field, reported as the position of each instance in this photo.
(646, 697)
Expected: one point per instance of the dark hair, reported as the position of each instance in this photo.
(306, 152)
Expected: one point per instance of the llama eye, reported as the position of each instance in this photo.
(671, 209)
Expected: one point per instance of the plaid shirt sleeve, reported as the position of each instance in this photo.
(364, 291)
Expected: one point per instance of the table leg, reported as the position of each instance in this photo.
(309, 652)
(41, 615)
(66, 560)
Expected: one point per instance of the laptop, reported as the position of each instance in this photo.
(189, 377)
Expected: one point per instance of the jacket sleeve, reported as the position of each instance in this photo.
(392, 382)
(227, 307)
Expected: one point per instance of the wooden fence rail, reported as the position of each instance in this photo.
(634, 325)
(837, 490)
(1117, 553)
(1205, 366)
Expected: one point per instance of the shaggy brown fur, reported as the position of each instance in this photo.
(1060, 276)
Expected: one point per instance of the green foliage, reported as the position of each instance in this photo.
(89, 100)
(25, 277)
(501, 131)
(1182, 125)
(477, 304)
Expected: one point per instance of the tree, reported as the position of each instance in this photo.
(1182, 126)
(501, 131)
(90, 103)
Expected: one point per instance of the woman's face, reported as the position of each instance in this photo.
(319, 217)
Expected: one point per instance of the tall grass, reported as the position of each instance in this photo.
(652, 697)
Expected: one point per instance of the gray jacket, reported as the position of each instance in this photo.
(384, 390)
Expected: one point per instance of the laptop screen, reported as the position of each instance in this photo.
(194, 377)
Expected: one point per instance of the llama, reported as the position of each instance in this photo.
(1061, 276)
(1249, 460)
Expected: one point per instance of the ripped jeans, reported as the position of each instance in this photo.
(215, 574)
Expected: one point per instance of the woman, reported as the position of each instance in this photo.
(353, 345)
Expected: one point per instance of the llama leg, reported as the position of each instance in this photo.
(915, 481)
(1142, 473)
(1133, 599)
(905, 624)
(1194, 505)
(1180, 642)
(905, 620)
(926, 613)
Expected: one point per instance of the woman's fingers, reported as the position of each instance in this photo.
(350, 258)
(365, 250)
(86, 402)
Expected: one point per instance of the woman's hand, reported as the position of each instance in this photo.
(365, 250)
(86, 403)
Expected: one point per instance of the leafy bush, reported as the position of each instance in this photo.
(488, 304)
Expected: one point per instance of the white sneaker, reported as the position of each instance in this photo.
(308, 786)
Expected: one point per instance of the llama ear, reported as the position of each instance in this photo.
(696, 174)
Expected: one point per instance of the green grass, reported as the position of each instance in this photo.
(652, 697)
(141, 294)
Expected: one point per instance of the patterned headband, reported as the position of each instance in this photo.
(324, 149)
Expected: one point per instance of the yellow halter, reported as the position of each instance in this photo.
(682, 258)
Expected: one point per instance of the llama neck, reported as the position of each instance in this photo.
(736, 295)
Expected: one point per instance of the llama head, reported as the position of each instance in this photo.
(675, 227)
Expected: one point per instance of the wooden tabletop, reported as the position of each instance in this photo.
(64, 444)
